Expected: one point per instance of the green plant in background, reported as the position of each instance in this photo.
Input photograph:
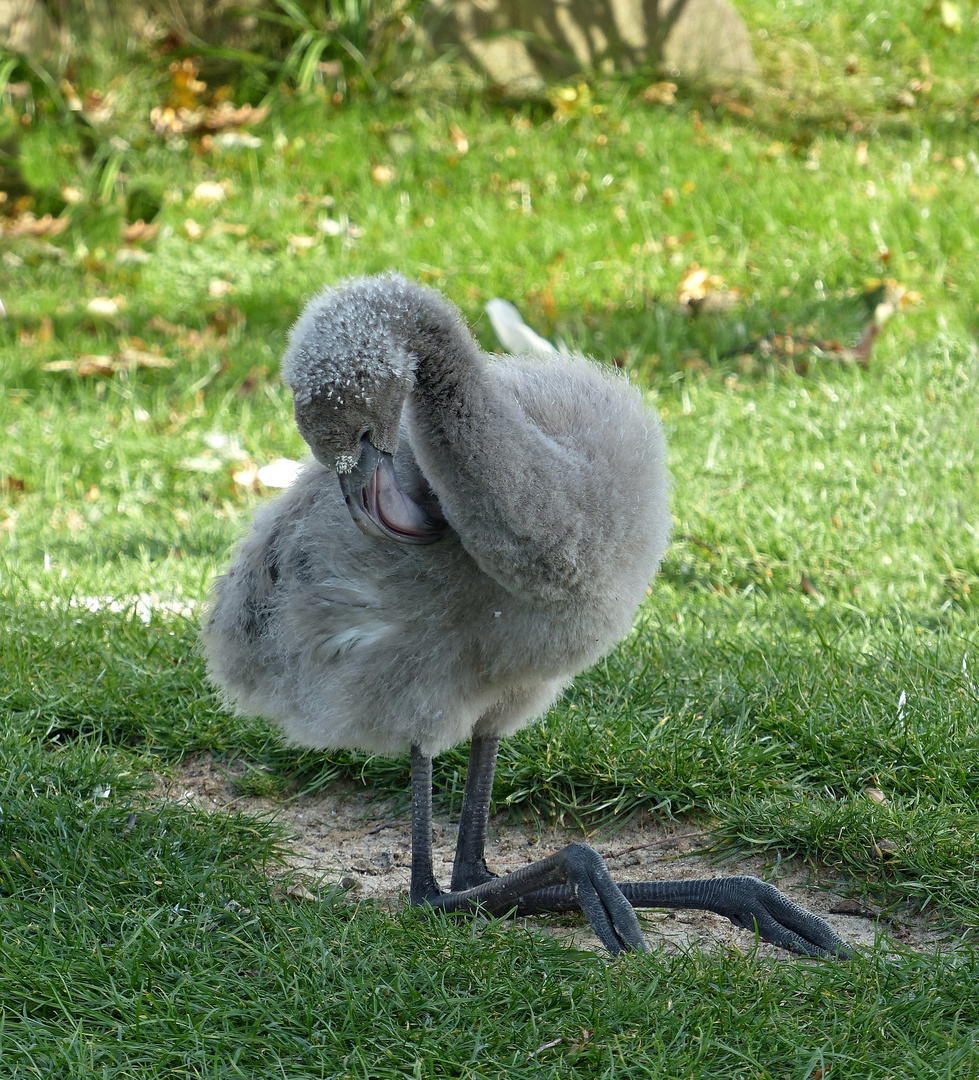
(320, 29)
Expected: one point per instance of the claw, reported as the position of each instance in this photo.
(612, 917)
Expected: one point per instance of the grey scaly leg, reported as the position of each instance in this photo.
(576, 878)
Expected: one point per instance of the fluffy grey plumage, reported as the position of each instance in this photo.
(550, 475)
(503, 519)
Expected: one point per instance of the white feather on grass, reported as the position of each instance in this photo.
(515, 335)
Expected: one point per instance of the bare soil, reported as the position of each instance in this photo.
(346, 836)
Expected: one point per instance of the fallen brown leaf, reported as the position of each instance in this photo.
(224, 319)
(162, 326)
(227, 115)
(166, 120)
(219, 288)
(298, 891)
(699, 290)
(231, 228)
(186, 113)
(459, 139)
(100, 364)
(75, 522)
(105, 307)
(26, 224)
(98, 107)
(142, 358)
(138, 232)
(209, 191)
(89, 364)
(298, 243)
(185, 87)
(736, 108)
(809, 589)
(246, 477)
(660, 93)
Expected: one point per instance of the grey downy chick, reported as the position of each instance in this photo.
(515, 511)
(493, 531)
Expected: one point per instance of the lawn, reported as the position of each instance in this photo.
(801, 682)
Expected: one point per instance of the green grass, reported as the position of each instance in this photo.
(140, 940)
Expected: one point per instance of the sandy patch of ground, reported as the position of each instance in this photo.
(344, 835)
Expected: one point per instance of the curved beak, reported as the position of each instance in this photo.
(378, 505)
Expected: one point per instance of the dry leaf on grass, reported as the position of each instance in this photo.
(459, 139)
(246, 477)
(89, 364)
(700, 290)
(99, 107)
(731, 105)
(185, 88)
(105, 307)
(297, 892)
(209, 191)
(208, 122)
(163, 326)
(26, 224)
(126, 359)
(169, 121)
(660, 93)
(138, 232)
(344, 227)
(809, 589)
(230, 140)
(299, 243)
(232, 228)
(186, 112)
(226, 115)
(129, 357)
(41, 336)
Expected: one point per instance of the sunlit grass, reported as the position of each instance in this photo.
(812, 636)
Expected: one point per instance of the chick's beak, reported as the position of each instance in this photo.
(378, 505)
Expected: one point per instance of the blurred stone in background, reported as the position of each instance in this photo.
(521, 45)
